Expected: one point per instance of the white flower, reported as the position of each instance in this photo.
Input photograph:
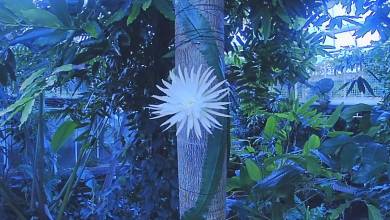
(192, 100)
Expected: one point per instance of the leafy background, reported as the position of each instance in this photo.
(288, 160)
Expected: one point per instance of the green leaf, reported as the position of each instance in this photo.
(270, 127)
(117, 16)
(373, 161)
(10, 116)
(335, 213)
(338, 133)
(331, 145)
(3, 74)
(68, 67)
(60, 9)
(374, 213)
(305, 107)
(313, 165)
(63, 68)
(284, 176)
(62, 134)
(266, 24)
(15, 105)
(135, 10)
(253, 170)
(278, 148)
(351, 111)
(250, 149)
(6, 17)
(165, 7)
(146, 4)
(283, 15)
(93, 29)
(26, 111)
(348, 156)
(233, 183)
(40, 17)
(334, 117)
(18, 6)
(313, 143)
(286, 115)
(31, 79)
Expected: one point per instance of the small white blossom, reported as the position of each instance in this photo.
(192, 99)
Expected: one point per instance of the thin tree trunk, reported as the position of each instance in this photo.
(38, 195)
(191, 151)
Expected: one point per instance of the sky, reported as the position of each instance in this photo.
(346, 38)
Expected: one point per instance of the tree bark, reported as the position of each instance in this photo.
(192, 151)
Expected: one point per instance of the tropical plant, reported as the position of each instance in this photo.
(302, 165)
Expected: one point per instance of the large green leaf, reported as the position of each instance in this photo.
(374, 213)
(313, 143)
(68, 67)
(26, 111)
(351, 111)
(334, 117)
(331, 145)
(253, 170)
(233, 183)
(27, 82)
(348, 156)
(134, 12)
(40, 17)
(335, 213)
(266, 23)
(11, 115)
(146, 4)
(6, 17)
(3, 75)
(63, 133)
(305, 107)
(165, 7)
(117, 16)
(270, 127)
(374, 158)
(15, 105)
(93, 29)
(60, 9)
(286, 175)
(19, 5)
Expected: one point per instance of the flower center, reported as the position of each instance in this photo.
(191, 102)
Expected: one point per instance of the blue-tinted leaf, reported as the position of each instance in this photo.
(26, 111)
(374, 213)
(283, 176)
(253, 170)
(93, 29)
(6, 17)
(63, 133)
(19, 5)
(134, 12)
(60, 9)
(270, 127)
(165, 7)
(351, 111)
(40, 17)
(334, 117)
(330, 145)
(313, 143)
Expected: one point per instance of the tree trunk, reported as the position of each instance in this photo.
(192, 151)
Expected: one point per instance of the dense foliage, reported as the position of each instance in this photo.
(288, 160)
(97, 54)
